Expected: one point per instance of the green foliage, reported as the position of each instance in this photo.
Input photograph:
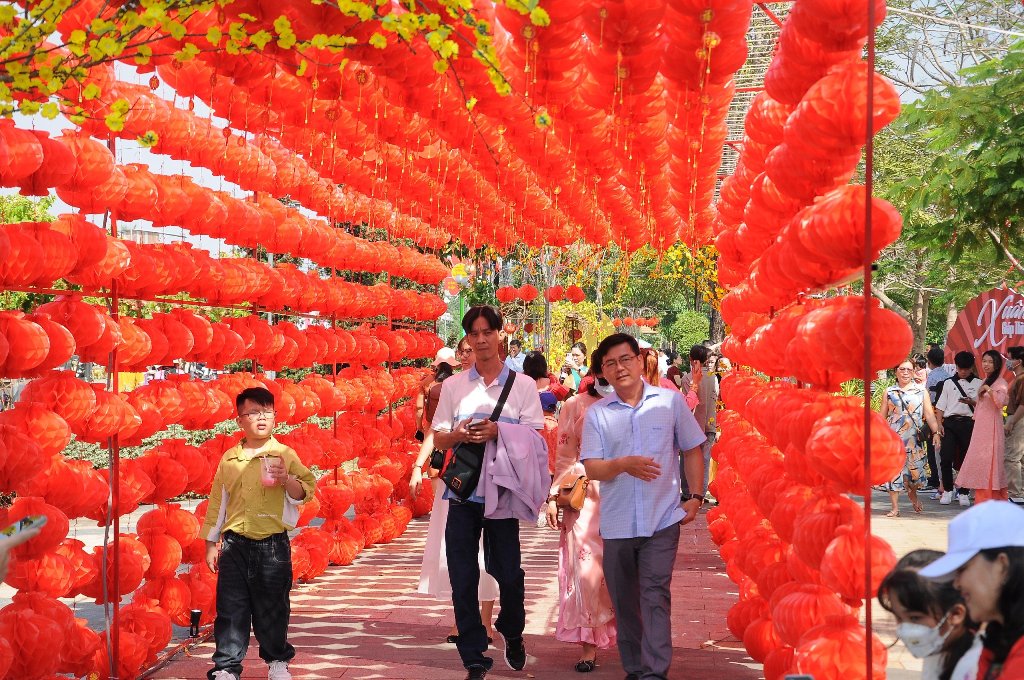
(973, 184)
(689, 328)
(16, 208)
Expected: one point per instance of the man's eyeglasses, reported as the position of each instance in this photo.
(612, 364)
(468, 350)
(256, 415)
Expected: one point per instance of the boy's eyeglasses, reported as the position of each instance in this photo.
(256, 415)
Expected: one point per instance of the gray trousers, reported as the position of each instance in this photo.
(638, 572)
(1014, 460)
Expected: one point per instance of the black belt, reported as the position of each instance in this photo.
(272, 537)
(959, 418)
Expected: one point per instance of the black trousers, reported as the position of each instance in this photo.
(253, 582)
(955, 440)
(502, 560)
(933, 466)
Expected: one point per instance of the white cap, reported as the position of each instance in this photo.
(445, 355)
(643, 343)
(992, 524)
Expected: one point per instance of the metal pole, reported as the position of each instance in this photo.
(115, 472)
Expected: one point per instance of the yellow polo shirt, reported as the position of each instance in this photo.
(240, 503)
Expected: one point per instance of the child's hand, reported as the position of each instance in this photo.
(211, 556)
(276, 469)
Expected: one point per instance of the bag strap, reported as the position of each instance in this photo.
(505, 390)
(906, 409)
(956, 381)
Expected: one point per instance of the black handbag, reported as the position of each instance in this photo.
(462, 473)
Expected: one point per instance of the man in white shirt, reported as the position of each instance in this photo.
(515, 357)
(938, 372)
(955, 413)
(463, 415)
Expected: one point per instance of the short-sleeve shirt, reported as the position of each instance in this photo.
(659, 426)
(949, 400)
(935, 376)
(465, 396)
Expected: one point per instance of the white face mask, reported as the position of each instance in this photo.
(1012, 364)
(605, 389)
(921, 640)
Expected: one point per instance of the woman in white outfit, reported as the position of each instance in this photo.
(434, 580)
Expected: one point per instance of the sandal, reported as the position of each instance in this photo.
(893, 513)
(586, 665)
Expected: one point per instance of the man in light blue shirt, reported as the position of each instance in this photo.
(515, 357)
(631, 443)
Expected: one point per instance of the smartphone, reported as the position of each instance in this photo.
(476, 421)
(23, 524)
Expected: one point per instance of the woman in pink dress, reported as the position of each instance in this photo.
(983, 469)
(585, 615)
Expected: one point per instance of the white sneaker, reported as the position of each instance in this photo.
(223, 675)
(1018, 500)
(937, 495)
(965, 500)
(279, 671)
(946, 498)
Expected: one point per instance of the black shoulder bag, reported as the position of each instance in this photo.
(463, 471)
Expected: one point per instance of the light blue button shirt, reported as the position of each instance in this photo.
(659, 427)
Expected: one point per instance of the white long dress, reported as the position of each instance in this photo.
(434, 579)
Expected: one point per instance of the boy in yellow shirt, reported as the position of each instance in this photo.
(254, 502)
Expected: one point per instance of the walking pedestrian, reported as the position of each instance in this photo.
(1014, 455)
(463, 414)
(631, 445)
(254, 501)
(955, 412)
(984, 468)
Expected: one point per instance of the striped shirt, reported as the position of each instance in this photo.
(659, 427)
(240, 503)
(465, 396)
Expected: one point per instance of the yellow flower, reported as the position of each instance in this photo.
(378, 41)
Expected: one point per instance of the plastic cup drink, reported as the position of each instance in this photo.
(267, 476)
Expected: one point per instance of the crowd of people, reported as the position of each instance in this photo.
(952, 423)
(612, 561)
(615, 452)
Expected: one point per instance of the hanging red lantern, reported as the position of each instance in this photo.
(28, 343)
(835, 650)
(57, 167)
(575, 294)
(46, 428)
(63, 393)
(20, 458)
(33, 637)
(554, 293)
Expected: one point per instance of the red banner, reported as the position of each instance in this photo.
(993, 320)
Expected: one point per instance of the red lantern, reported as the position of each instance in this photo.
(835, 651)
(842, 566)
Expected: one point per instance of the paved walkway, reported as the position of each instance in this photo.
(366, 620)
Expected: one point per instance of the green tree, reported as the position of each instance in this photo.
(974, 183)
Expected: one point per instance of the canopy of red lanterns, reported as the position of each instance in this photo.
(614, 135)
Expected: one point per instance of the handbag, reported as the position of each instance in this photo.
(462, 474)
(571, 495)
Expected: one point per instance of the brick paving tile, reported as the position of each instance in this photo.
(365, 621)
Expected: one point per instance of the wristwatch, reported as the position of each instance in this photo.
(552, 497)
(695, 496)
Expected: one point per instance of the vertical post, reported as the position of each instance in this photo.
(869, 157)
(115, 472)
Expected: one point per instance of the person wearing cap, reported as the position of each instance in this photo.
(430, 389)
(985, 559)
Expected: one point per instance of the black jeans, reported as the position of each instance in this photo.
(253, 581)
(955, 440)
(933, 466)
(502, 561)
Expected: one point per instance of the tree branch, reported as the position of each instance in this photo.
(888, 302)
(1006, 251)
